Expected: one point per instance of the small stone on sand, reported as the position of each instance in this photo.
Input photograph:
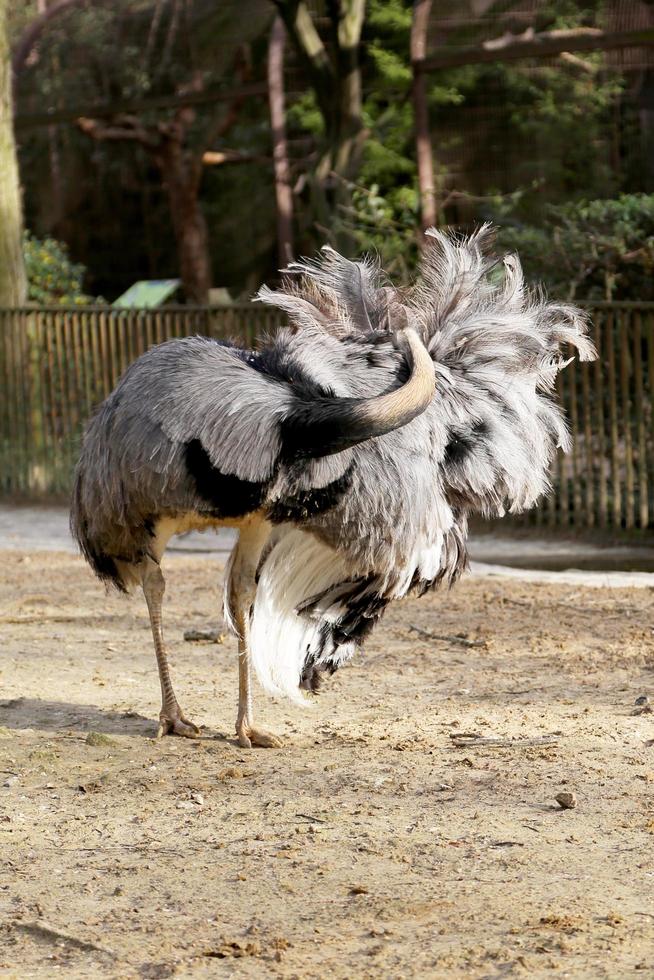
(567, 801)
(97, 738)
(204, 636)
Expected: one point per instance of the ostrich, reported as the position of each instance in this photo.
(349, 451)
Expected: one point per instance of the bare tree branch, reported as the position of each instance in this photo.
(170, 36)
(214, 158)
(219, 126)
(154, 30)
(108, 111)
(545, 45)
(125, 128)
(576, 62)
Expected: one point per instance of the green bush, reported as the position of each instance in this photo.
(590, 250)
(53, 280)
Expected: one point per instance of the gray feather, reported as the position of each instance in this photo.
(393, 509)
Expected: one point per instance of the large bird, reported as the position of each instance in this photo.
(348, 450)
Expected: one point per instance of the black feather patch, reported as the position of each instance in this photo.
(311, 677)
(461, 444)
(323, 427)
(275, 362)
(317, 424)
(305, 504)
(363, 608)
(226, 495)
(105, 568)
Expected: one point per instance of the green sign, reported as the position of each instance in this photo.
(147, 293)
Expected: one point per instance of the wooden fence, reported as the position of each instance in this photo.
(608, 478)
(57, 364)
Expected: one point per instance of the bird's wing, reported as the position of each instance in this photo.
(198, 391)
(213, 403)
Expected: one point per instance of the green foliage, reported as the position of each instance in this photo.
(546, 147)
(305, 114)
(390, 16)
(53, 280)
(385, 225)
(383, 211)
(546, 129)
(601, 250)
(508, 139)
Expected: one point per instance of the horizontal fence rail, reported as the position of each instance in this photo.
(57, 364)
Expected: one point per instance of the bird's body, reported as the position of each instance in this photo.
(349, 451)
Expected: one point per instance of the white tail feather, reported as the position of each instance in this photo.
(297, 567)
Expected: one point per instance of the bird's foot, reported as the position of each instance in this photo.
(173, 722)
(248, 737)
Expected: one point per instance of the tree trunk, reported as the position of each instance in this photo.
(193, 248)
(336, 81)
(350, 109)
(344, 126)
(13, 286)
(283, 193)
(181, 179)
(344, 120)
(426, 190)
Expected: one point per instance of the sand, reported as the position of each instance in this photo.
(377, 842)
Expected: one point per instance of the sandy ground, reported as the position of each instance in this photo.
(372, 844)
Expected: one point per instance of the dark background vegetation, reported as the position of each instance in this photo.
(559, 152)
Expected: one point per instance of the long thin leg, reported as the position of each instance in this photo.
(171, 717)
(248, 734)
(244, 717)
(242, 590)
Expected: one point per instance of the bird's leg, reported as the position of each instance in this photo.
(246, 732)
(171, 717)
(252, 538)
(244, 690)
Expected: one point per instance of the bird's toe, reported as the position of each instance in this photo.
(249, 737)
(177, 725)
(243, 740)
(264, 739)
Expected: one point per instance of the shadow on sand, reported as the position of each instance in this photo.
(55, 716)
(61, 716)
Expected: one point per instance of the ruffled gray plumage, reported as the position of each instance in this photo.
(193, 418)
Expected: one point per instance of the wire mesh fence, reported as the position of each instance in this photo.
(56, 365)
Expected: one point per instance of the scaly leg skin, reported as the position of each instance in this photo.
(173, 722)
(171, 716)
(242, 589)
(247, 734)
